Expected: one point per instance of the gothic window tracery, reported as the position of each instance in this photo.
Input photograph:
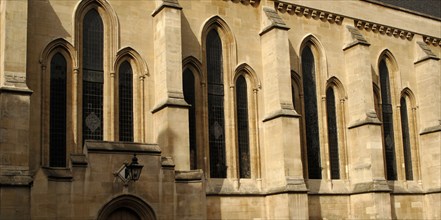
(406, 139)
(387, 120)
(311, 114)
(242, 127)
(331, 117)
(216, 121)
(93, 76)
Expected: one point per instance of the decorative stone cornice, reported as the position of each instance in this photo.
(432, 40)
(254, 3)
(317, 14)
(383, 29)
(299, 10)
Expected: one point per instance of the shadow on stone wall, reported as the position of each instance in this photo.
(44, 25)
(190, 43)
(294, 58)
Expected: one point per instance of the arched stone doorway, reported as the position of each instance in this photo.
(126, 207)
(124, 214)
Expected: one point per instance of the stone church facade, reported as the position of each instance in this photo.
(236, 109)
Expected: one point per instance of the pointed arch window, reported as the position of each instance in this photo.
(311, 114)
(57, 137)
(331, 118)
(242, 127)
(189, 96)
(216, 120)
(93, 76)
(406, 139)
(387, 117)
(125, 89)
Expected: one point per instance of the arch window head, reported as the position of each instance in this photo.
(58, 96)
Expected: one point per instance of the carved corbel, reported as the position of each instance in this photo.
(306, 12)
(366, 26)
(298, 10)
(338, 19)
(330, 17)
(314, 14)
(289, 9)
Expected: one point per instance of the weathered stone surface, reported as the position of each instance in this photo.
(261, 40)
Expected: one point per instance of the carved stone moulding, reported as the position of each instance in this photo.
(432, 40)
(254, 3)
(383, 29)
(293, 9)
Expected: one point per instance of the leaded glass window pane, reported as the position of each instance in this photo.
(388, 127)
(406, 139)
(125, 102)
(242, 127)
(310, 114)
(216, 120)
(189, 96)
(332, 134)
(92, 57)
(57, 130)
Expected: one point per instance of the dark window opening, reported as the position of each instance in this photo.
(189, 96)
(388, 127)
(125, 85)
(406, 139)
(295, 90)
(216, 120)
(332, 134)
(57, 130)
(311, 114)
(242, 127)
(93, 78)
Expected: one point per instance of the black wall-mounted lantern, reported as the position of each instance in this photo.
(129, 171)
(133, 170)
